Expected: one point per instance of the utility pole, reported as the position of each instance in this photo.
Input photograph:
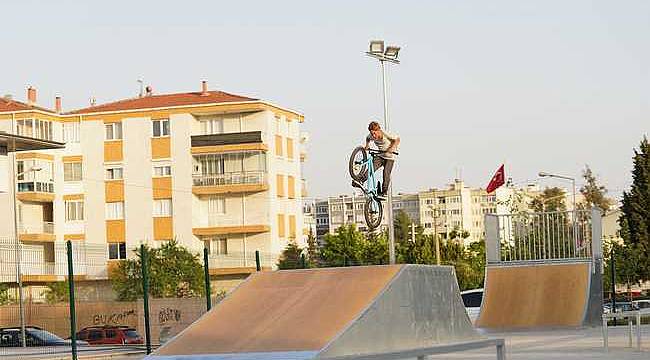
(435, 233)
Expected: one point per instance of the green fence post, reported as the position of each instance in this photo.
(303, 261)
(73, 316)
(257, 260)
(206, 272)
(145, 296)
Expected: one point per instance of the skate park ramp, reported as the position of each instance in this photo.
(543, 295)
(323, 313)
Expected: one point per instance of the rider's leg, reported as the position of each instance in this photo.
(388, 169)
(377, 162)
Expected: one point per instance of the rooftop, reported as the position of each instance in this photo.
(164, 100)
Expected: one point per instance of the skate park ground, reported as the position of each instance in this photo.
(551, 344)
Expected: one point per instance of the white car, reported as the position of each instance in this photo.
(472, 300)
(641, 304)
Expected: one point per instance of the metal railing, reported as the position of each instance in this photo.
(231, 178)
(45, 227)
(241, 260)
(540, 236)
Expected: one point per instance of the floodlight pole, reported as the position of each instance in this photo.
(391, 230)
(18, 253)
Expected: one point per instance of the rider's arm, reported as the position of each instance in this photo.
(367, 142)
(394, 142)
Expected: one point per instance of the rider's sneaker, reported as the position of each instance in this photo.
(381, 196)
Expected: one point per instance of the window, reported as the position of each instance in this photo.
(162, 170)
(162, 208)
(39, 129)
(279, 180)
(114, 173)
(96, 335)
(289, 148)
(72, 171)
(160, 127)
(217, 246)
(71, 132)
(281, 232)
(113, 131)
(74, 210)
(292, 226)
(291, 185)
(117, 251)
(212, 126)
(216, 205)
(110, 334)
(278, 145)
(114, 211)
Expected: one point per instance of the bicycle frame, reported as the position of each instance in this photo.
(371, 181)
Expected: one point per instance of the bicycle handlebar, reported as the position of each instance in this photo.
(373, 151)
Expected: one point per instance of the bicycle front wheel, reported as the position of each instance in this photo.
(357, 166)
(373, 212)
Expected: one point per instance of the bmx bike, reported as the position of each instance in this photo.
(362, 170)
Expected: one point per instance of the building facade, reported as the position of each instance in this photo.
(207, 168)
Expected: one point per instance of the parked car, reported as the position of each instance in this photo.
(620, 306)
(641, 304)
(472, 300)
(110, 335)
(10, 337)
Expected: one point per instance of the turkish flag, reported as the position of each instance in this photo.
(498, 179)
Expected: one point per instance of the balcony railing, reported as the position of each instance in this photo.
(232, 178)
(45, 227)
(241, 260)
(36, 186)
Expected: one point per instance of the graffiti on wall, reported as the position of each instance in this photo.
(117, 318)
(169, 314)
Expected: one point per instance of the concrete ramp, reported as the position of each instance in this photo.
(323, 313)
(540, 296)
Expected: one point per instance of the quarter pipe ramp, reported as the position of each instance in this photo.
(323, 313)
(540, 295)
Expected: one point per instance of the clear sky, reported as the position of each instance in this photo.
(542, 85)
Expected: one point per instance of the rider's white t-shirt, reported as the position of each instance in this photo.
(383, 144)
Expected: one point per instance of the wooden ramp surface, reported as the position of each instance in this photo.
(535, 296)
(274, 311)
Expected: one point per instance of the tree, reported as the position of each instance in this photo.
(349, 247)
(635, 210)
(313, 251)
(4, 294)
(291, 257)
(402, 225)
(594, 193)
(57, 292)
(550, 200)
(173, 272)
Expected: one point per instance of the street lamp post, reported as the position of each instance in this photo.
(387, 54)
(573, 183)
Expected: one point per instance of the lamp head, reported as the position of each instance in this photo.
(392, 52)
(376, 47)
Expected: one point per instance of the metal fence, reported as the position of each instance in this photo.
(544, 236)
(44, 313)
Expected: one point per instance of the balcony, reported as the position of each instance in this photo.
(227, 139)
(233, 182)
(230, 229)
(37, 232)
(35, 191)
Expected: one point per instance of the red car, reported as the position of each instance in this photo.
(110, 335)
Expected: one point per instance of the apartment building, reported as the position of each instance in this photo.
(207, 168)
(336, 211)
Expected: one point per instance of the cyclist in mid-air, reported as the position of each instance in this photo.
(387, 143)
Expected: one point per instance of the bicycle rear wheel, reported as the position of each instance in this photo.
(357, 165)
(373, 212)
